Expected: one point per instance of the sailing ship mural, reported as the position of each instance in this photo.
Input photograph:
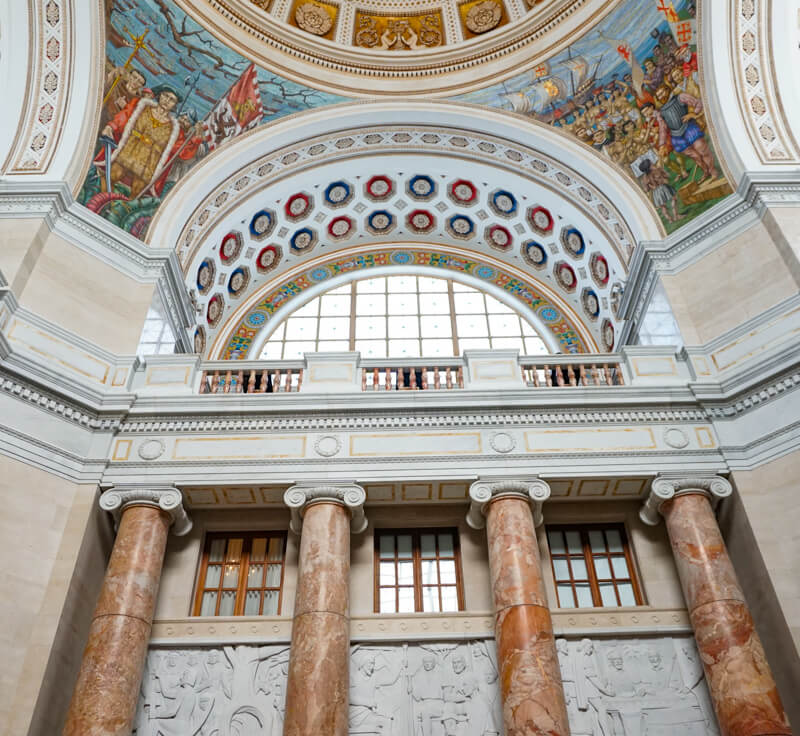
(630, 89)
(173, 94)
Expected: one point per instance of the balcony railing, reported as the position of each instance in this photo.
(258, 378)
(549, 373)
(412, 376)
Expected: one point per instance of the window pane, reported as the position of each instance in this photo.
(212, 576)
(209, 606)
(276, 549)
(435, 326)
(430, 576)
(597, 542)
(226, 604)
(584, 593)
(607, 595)
(234, 553)
(626, 596)
(255, 575)
(430, 599)
(620, 565)
(535, 346)
(404, 546)
(370, 328)
(387, 600)
(469, 303)
(370, 285)
(370, 304)
(574, 542)
(270, 608)
(565, 597)
(386, 544)
(371, 348)
(432, 285)
(579, 568)
(294, 350)
(387, 573)
(561, 569)
(508, 343)
(402, 304)
(427, 544)
(301, 328)
(473, 343)
(614, 540)
(272, 351)
(406, 604)
(434, 304)
(504, 325)
(401, 283)
(403, 327)
(334, 304)
(404, 348)
(556, 540)
(217, 550)
(471, 325)
(252, 602)
(449, 599)
(495, 306)
(446, 545)
(332, 328)
(432, 348)
(447, 572)
(273, 576)
(308, 310)
(405, 573)
(258, 549)
(333, 346)
(230, 578)
(602, 568)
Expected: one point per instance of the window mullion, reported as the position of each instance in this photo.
(590, 571)
(352, 315)
(244, 565)
(452, 301)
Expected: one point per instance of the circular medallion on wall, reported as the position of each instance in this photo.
(380, 222)
(421, 187)
(463, 192)
(502, 442)
(572, 241)
(379, 188)
(151, 449)
(199, 340)
(230, 247)
(484, 16)
(338, 194)
(262, 224)
(540, 220)
(205, 275)
(590, 302)
(607, 334)
(216, 305)
(340, 227)
(327, 445)
(313, 19)
(238, 281)
(460, 226)
(268, 258)
(498, 237)
(565, 276)
(598, 266)
(676, 438)
(298, 206)
(420, 221)
(303, 240)
(503, 203)
(534, 254)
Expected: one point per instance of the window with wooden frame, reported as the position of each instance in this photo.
(592, 566)
(241, 574)
(418, 570)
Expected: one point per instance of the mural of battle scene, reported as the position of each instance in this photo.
(613, 687)
(630, 89)
(173, 94)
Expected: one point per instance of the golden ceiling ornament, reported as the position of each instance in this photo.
(313, 19)
(484, 16)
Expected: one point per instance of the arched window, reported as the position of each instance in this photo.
(402, 317)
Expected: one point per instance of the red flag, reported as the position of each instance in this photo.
(239, 110)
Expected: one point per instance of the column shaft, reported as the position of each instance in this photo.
(745, 696)
(318, 686)
(105, 696)
(530, 678)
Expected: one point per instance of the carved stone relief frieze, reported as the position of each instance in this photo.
(613, 687)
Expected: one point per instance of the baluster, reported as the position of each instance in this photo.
(460, 376)
(584, 381)
(376, 379)
(240, 381)
(387, 381)
(449, 377)
(363, 379)
(535, 374)
(251, 384)
(609, 379)
(287, 381)
(262, 389)
(227, 388)
(620, 377)
(595, 375)
(424, 378)
(276, 381)
(299, 379)
(204, 388)
(412, 378)
(559, 376)
(214, 382)
(437, 379)
(571, 375)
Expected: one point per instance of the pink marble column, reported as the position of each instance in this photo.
(104, 700)
(530, 678)
(742, 689)
(319, 662)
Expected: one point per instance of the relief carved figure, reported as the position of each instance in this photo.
(613, 687)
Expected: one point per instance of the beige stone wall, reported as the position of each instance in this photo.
(734, 283)
(43, 524)
(21, 241)
(79, 292)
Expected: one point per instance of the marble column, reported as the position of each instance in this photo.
(106, 692)
(530, 678)
(742, 689)
(319, 662)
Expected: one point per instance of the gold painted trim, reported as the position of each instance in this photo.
(396, 435)
(178, 441)
(589, 430)
(122, 450)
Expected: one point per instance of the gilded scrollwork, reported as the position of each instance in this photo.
(398, 33)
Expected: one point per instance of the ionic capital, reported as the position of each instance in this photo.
(665, 487)
(166, 498)
(481, 492)
(349, 495)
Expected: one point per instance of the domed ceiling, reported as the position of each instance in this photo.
(186, 82)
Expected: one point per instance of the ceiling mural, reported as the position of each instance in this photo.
(173, 94)
(630, 89)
